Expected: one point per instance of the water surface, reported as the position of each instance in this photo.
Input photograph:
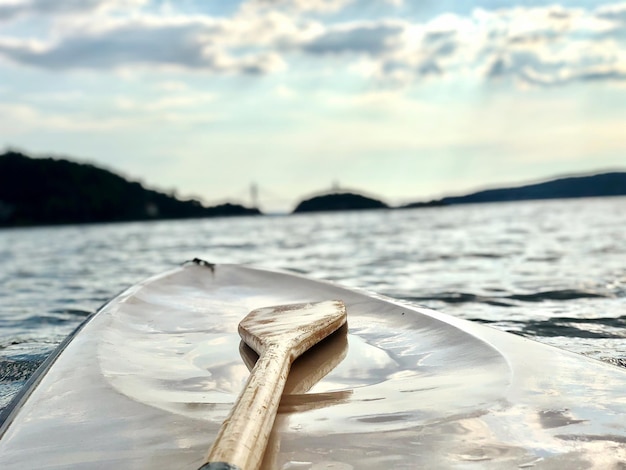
(553, 271)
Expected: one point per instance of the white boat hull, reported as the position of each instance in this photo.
(149, 379)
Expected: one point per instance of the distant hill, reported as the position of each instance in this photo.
(339, 202)
(604, 184)
(42, 191)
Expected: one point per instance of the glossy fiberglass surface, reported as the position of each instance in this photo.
(149, 380)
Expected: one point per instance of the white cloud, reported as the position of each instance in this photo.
(56, 97)
(17, 118)
(301, 6)
(615, 11)
(166, 103)
(548, 47)
(171, 86)
(188, 43)
(285, 92)
(372, 38)
(536, 46)
(18, 8)
(121, 115)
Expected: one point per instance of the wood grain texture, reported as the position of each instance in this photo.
(279, 335)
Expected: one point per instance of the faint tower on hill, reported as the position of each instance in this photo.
(335, 188)
(254, 195)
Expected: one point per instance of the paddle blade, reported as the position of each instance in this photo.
(296, 327)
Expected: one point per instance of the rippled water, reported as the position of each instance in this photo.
(554, 271)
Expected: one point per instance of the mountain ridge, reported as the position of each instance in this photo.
(52, 191)
(605, 184)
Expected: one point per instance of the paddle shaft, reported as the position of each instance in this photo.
(241, 441)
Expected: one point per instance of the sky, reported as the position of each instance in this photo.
(402, 100)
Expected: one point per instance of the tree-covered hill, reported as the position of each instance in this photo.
(599, 185)
(339, 202)
(35, 191)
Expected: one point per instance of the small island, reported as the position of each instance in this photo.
(339, 202)
(50, 191)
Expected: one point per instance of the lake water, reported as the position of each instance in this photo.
(554, 271)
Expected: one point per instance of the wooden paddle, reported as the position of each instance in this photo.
(305, 372)
(279, 335)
